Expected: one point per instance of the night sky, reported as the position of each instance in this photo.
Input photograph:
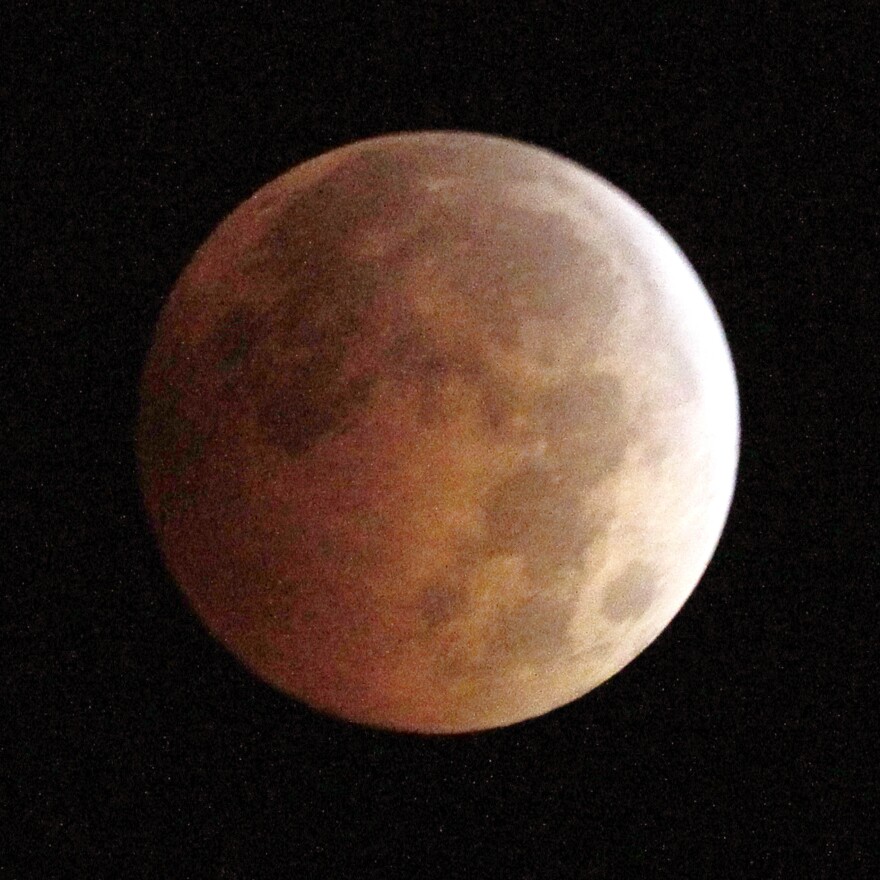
(738, 745)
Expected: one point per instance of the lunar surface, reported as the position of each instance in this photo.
(438, 431)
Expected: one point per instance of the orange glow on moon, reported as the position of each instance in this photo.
(438, 431)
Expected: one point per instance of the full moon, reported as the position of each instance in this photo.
(438, 431)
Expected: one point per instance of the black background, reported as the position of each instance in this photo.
(737, 745)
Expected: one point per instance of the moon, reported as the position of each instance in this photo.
(438, 431)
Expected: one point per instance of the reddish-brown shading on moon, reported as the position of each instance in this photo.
(438, 431)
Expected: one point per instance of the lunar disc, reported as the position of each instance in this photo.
(438, 431)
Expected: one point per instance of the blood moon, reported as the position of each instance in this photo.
(438, 431)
